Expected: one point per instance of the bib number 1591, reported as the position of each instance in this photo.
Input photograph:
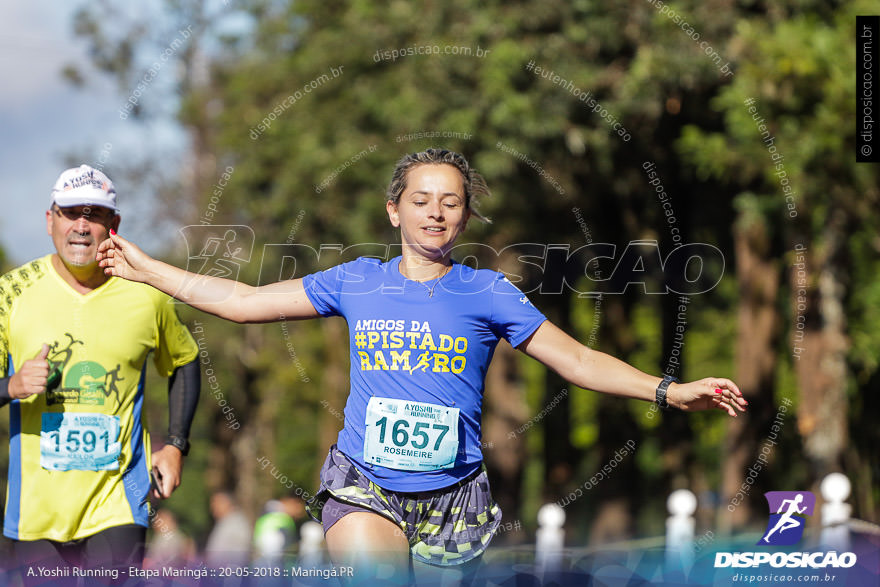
(78, 440)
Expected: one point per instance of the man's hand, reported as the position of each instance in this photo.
(168, 465)
(31, 378)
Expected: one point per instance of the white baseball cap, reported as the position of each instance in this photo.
(84, 186)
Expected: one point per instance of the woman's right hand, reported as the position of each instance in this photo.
(226, 298)
(121, 258)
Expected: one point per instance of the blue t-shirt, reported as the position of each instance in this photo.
(407, 344)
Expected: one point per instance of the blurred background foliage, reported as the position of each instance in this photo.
(683, 111)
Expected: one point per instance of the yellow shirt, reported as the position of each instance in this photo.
(79, 457)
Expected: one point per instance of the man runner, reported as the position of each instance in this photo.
(73, 351)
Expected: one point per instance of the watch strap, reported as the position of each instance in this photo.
(661, 392)
(178, 442)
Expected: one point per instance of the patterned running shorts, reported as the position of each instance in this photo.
(448, 526)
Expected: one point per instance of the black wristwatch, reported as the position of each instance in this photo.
(661, 392)
(180, 443)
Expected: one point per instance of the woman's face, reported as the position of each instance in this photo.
(431, 211)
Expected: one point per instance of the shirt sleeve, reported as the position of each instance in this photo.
(175, 346)
(324, 290)
(4, 335)
(5, 309)
(513, 317)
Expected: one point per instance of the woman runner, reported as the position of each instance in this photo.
(405, 482)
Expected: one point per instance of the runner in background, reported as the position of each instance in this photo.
(74, 344)
(274, 535)
(229, 543)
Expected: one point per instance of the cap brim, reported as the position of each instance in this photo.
(84, 198)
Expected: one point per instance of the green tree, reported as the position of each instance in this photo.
(806, 271)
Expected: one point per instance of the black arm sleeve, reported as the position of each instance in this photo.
(4, 392)
(184, 387)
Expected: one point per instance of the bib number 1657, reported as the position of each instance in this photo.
(410, 436)
(420, 436)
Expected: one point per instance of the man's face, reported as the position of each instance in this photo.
(77, 231)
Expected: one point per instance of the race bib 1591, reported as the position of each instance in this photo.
(79, 441)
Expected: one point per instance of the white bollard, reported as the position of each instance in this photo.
(550, 538)
(311, 543)
(835, 490)
(681, 504)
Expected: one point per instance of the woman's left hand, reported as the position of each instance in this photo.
(705, 394)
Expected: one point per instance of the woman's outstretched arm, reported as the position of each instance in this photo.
(601, 372)
(226, 298)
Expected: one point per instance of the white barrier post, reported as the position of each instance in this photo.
(835, 490)
(550, 537)
(681, 505)
(310, 546)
